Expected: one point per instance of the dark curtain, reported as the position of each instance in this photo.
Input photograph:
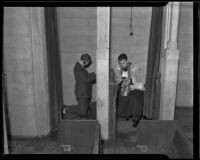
(199, 53)
(54, 67)
(199, 39)
(152, 92)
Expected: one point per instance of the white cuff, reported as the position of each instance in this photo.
(140, 86)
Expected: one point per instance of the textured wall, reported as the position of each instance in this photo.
(19, 71)
(136, 46)
(77, 33)
(78, 30)
(185, 46)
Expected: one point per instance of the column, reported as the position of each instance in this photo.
(103, 24)
(171, 64)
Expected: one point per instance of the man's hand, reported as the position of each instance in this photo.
(93, 74)
(93, 78)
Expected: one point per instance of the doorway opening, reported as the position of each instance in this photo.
(76, 29)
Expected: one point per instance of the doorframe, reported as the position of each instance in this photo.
(54, 63)
(153, 112)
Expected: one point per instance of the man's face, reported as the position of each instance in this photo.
(87, 64)
(123, 63)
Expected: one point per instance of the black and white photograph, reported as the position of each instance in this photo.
(99, 79)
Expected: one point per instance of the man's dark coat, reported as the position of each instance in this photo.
(84, 81)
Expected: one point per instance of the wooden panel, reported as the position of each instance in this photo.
(170, 141)
(156, 134)
(72, 132)
(184, 147)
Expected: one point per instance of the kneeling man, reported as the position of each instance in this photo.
(83, 84)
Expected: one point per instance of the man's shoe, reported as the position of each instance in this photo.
(127, 118)
(135, 123)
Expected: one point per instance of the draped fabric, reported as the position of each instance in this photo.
(152, 92)
(54, 67)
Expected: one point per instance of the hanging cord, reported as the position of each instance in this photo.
(131, 22)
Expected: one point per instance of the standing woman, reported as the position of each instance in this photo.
(130, 90)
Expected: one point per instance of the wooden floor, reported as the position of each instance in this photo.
(125, 140)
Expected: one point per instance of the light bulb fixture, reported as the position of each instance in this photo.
(131, 22)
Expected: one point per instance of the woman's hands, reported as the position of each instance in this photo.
(125, 81)
(136, 86)
(133, 87)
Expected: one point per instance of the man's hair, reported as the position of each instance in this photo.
(122, 57)
(86, 58)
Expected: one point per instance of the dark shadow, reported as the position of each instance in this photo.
(54, 67)
(70, 112)
(5, 107)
